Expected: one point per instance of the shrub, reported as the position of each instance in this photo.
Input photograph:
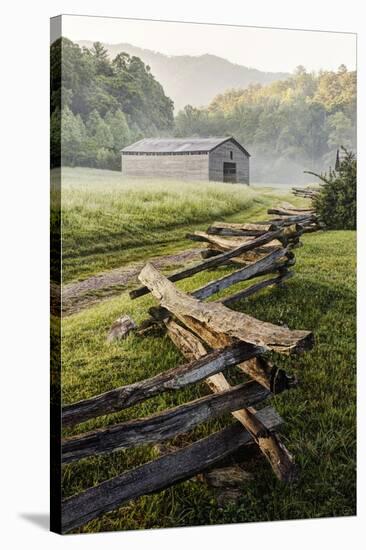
(335, 203)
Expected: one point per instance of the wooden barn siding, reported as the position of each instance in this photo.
(221, 155)
(192, 167)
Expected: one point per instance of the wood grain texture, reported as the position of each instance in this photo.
(239, 229)
(213, 262)
(173, 379)
(220, 244)
(242, 294)
(227, 243)
(160, 473)
(301, 218)
(268, 263)
(280, 459)
(162, 426)
(224, 323)
(293, 212)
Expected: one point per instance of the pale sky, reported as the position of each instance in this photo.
(261, 48)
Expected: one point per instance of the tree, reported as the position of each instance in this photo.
(72, 137)
(336, 202)
(117, 124)
(286, 125)
(340, 130)
(99, 147)
(99, 131)
(100, 57)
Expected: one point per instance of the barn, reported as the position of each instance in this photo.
(206, 159)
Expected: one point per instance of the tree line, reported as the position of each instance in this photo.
(104, 104)
(287, 125)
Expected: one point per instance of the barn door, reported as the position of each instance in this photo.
(230, 172)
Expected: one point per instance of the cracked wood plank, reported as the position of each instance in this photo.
(160, 473)
(164, 425)
(281, 460)
(172, 379)
(217, 319)
(239, 229)
(214, 261)
(265, 265)
(230, 300)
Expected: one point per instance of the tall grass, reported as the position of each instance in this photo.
(96, 205)
(104, 215)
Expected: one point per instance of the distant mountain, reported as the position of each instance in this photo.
(193, 80)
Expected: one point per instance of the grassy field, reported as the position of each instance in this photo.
(320, 415)
(108, 221)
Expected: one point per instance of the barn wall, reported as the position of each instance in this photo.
(193, 167)
(222, 154)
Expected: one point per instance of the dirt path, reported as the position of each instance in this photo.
(83, 294)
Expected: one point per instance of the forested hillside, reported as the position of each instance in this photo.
(287, 126)
(104, 105)
(193, 79)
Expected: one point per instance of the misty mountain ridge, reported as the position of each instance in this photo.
(193, 80)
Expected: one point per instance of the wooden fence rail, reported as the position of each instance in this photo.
(212, 337)
(174, 379)
(164, 425)
(160, 473)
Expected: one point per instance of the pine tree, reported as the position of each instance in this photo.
(119, 129)
(72, 137)
(336, 203)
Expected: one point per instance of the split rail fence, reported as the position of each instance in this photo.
(212, 337)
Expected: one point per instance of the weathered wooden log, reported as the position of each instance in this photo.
(267, 263)
(160, 473)
(215, 261)
(162, 426)
(290, 237)
(283, 212)
(218, 244)
(291, 207)
(239, 229)
(282, 223)
(261, 370)
(190, 346)
(230, 300)
(159, 313)
(226, 244)
(276, 380)
(210, 252)
(173, 379)
(305, 194)
(229, 243)
(295, 219)
(223, 322)
(311, 228)
(278, 456)
(244, 259)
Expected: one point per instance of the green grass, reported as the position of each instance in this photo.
(108, 221)
(319, 416)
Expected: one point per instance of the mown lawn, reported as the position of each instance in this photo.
(320, 415)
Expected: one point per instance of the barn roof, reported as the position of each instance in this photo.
(179, 145)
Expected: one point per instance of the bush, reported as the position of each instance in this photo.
(335, 204)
